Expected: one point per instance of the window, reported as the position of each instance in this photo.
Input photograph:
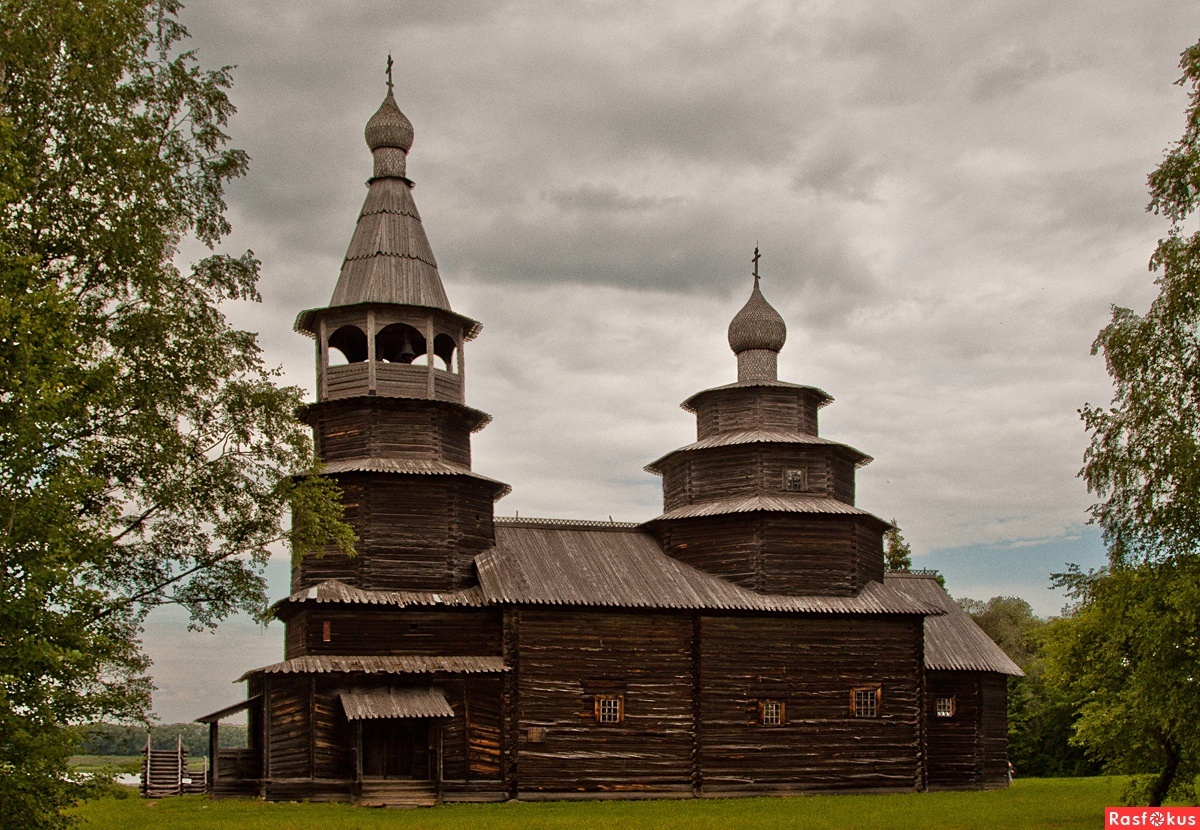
(864, 702)
(610, 708)
(945, 707)
(536, 734)
(771, 712)
(326, 631)
(795, 480)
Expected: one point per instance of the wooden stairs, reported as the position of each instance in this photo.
(396, 792)
(165, 772)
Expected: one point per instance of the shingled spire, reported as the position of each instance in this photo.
(389, 259)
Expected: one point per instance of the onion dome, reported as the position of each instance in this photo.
(389, 127)
(757, 326)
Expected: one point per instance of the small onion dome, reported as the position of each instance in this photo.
(389, 127)
(757, 326)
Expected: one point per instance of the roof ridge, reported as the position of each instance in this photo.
(600, 524)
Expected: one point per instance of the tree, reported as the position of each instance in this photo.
(1144, 457)
(1128, 655)
(1119, 653)
(897, 553)
(147, 455)
(1011, 624)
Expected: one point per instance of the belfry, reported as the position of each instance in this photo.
(391, 421)
(744, 641)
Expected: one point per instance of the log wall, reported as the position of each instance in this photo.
(785, 553)
(566, 659)
(811, 664)
(993, 729)
(970, 748)
(382, 631)
(288, 714)
(737, 409)
(415, 532)
(391, 428)
(745, 470)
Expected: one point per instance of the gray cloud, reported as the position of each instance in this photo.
(948, 197)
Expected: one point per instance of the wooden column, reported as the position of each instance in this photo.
(266, 750)
(429, 387)
(358, 751)
(466, 699)
(462, 366)
(697, 765)
(312, 727)
(370, 351)
(322, 359)
(214, 743)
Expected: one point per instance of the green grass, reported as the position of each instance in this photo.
(1031, 803)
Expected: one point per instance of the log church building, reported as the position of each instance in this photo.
(745, 641)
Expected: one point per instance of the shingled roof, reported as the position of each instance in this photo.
(391, 664)
(784, 503)
(758, 436)
(611, 566)
(952, 640)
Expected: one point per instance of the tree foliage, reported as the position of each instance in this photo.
(115, 739)
(147, 455)
(897, 553)
(1144, 457)
(1128, 656)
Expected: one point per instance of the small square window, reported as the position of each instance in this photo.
(610, 708)
(795, 480)
(945, 707)
(536, 734)
(770, 712)
(864, 702)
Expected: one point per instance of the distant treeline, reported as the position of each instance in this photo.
(111, 739)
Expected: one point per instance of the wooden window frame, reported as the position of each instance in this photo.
(802, 473)
(951, 709)
(605, 718)
(874, 712)
(780, 716)
(326, 631)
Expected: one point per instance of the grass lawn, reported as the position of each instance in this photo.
(1031, 803)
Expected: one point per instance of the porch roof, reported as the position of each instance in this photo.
(396, 703)
(213, 717)
(390, 664)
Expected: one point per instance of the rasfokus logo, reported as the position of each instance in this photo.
(1151, 817)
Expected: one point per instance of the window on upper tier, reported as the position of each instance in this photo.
(945, 707)
(796, 480)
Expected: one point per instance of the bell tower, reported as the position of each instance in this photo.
(390, 422)
(760, 498)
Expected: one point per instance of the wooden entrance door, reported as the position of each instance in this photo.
(396, 748)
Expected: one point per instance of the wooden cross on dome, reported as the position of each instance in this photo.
(757, 257)
(389, 73)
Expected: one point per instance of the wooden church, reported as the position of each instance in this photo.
(745, 641)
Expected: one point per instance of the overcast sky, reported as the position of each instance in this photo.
(948, 197)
